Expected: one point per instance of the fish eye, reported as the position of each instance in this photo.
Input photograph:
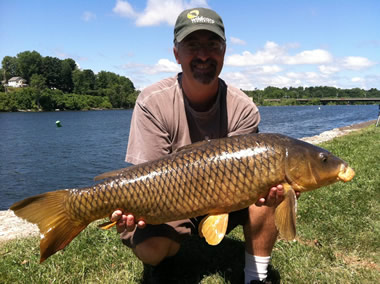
(323, 157)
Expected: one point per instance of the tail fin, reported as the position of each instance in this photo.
(47, 210)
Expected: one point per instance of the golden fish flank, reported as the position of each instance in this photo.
(210, 178)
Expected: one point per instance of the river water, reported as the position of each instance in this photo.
(36, 156)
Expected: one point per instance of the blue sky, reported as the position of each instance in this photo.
(269, 43)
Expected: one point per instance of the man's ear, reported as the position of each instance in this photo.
(175, 51)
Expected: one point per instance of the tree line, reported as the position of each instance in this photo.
(290, 95)
(59, 84)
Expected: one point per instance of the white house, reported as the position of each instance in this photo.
(17, 82)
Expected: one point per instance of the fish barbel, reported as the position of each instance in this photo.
(211, 178)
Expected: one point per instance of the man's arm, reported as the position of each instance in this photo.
(148, 137)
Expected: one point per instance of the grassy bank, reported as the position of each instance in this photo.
(338, 239)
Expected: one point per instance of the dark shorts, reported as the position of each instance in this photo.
(178, 230)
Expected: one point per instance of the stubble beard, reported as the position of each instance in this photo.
(204, 77)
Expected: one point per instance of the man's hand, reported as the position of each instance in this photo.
(126, 222)
(274, 197)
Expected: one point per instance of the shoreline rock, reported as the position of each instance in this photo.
(336, 132)
(13, 227)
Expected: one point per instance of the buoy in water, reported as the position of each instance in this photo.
(58, 123)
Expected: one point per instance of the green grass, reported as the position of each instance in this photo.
(338, 239)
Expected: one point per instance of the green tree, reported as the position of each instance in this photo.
(29, 63)
(102, 80)
(9, 68)
(24, 98)
(84, 81)
(51, 69)
(373, 93)
(71, 63)
(7, 102)
(273, 93)
(67, 84)
(38, 82)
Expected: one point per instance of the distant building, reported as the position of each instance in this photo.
(17, 82)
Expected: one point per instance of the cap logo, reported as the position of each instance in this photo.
(192, 14)
(196, 19)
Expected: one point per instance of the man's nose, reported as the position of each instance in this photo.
(203, 53)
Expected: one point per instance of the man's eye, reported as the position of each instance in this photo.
(193, 45)
(213, 44)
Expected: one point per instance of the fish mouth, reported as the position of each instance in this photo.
(346, 173)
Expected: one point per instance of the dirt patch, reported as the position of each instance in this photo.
(352, 260)
(12, 227)
(355, 261)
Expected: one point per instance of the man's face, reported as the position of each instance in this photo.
(201, 55)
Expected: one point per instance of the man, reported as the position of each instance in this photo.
(193, 106)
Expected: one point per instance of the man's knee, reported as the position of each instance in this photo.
(153, 250)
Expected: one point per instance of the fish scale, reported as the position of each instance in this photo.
(211, 178)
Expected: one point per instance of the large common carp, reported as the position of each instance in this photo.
(210, 178)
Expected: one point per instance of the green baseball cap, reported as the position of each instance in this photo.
(192, 20)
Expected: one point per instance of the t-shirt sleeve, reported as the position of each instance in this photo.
(244, 116)
(247, 124)
(148, 138)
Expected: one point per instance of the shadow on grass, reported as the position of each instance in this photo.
(197, 260)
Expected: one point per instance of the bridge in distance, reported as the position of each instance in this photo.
(333, 100)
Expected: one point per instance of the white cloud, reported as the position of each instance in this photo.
(356, 79)
(88, 16)
(248, 80)
(270, 69)
(326, 69)
(316, 56)
(124, 9)
(240, 80)
(265, 56)
(238, 41)
(272, 53)
(264, 69)
(162, 66)
(157, 11)
(356, 62)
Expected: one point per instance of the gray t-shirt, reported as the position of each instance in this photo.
(163, 120)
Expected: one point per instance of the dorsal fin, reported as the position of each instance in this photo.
(110, 174)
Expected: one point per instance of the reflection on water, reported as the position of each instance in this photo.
(36, 156)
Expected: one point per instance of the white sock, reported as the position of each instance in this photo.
(256, 267)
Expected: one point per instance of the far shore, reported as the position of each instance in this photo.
(12, 227)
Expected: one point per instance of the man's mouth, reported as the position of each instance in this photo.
(204, 71)
(203, 66)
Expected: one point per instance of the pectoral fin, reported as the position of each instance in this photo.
(213, 228)
(285, 215)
